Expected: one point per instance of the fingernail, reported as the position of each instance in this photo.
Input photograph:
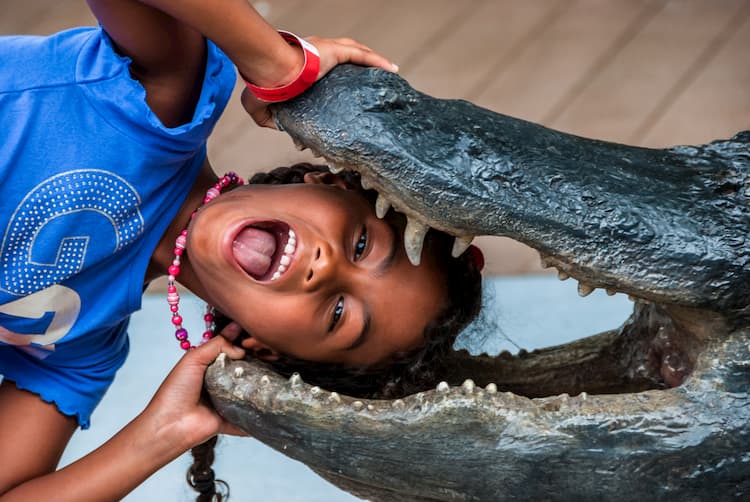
(395, 67)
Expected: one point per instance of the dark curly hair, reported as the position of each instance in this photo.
(407, 372)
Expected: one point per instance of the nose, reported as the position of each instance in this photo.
(322, 267)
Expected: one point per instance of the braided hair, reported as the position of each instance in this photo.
(200, 475)
(406, 373)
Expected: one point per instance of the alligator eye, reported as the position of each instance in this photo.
(337, 312)
(361, 245)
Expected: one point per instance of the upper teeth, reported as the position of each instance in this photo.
(286, 258)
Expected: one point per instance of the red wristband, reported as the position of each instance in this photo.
(301, 83)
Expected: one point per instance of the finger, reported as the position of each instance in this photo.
(367, 58)
(264, 118)
(348, 42)
(343, 53)
(231, 429)
(257, 109)
(352, 43)
(209, 351)
(231, 331)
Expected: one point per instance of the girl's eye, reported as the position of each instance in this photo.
(337, 312)
(361, 245)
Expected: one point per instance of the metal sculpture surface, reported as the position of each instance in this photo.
(656, 408)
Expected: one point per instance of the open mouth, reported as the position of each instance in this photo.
(265, 250)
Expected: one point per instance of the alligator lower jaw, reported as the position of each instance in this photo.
(471, 442)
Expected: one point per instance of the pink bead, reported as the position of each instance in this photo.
(173, 298)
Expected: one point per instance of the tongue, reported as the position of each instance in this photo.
(253, 248)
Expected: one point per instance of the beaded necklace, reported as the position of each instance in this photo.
(173, 298)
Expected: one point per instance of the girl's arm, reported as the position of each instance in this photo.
(164, 38)
(174, 421)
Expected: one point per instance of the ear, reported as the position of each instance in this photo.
(326, 178)
(259, 349)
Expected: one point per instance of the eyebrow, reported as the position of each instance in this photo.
(362, 337)
(384, 265)
(382, 268)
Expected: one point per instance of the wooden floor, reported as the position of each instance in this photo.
(645, 72)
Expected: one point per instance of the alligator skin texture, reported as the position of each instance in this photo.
(655, 409)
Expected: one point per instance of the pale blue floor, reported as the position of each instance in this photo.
(532, 312)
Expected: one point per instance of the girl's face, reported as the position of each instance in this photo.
(310, 271)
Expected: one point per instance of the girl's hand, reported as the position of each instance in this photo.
(336, 51)
(333, 52)
(177, 412)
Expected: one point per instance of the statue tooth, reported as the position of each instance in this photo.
(611, 292)
(238, 372)
(358, 405)
(398, 404)
(316, 153)
(334, 168)
(584, 396)
(265, 381)
(491, 388)
(366, 183)
(382, 206)
(295, 380)
(370, 407)
(468, 386)
(414, 239)
(562, 275)
(221, 359)
(585, 289)
(632, 298)
(298, 145)
(315, 390)
(460, 245)
(334, 397)
(545, 261)
(443, 387)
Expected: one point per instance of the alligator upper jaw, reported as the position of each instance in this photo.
(612, 216)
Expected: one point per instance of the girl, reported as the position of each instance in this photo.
(103, 164)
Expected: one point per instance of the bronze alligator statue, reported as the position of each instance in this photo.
(656, 408)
